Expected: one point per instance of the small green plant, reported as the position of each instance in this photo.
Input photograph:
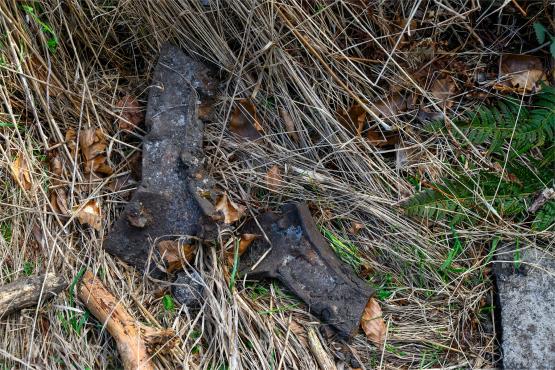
(542, 34)
(72, 320)
(167, 302)
(345, 251)
(52, 41)
(28, 268)
(520, 141)
(6, 231)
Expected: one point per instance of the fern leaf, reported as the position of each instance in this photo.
(545, 217)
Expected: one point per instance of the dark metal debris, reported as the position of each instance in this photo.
(304, 262)
(188, 289)
(176, 199)
(163, 205)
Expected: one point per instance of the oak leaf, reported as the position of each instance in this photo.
(245, 241)
(244, 120)
(131, 114)
(229, 209)
(89, 214)
(93, 146)
(175, 253)
(20, 172)
(372, 322)
(523, 71)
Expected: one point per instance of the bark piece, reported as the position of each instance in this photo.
(26, 292)
(302, 259)
(135, 342)
(165, 204)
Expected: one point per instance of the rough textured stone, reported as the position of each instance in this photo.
(188, 289)
(302, 259)
(163, 206)
(526, 292)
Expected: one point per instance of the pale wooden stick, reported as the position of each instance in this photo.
(27, 292)
(324, 360)
(134, 340)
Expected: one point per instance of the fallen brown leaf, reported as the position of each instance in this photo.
(244, 120)
(522, 71)
(230, 211)
(380, 140)
(71, 141)
(20, 172)
(93, 145)
(89, 214)
(372, 322)
(353, 119)
(175, 253)
(274, 178)
(442, 89)
(392, 105)
(131, 114)
(58, 200)
(245, 241)
(356, 227)
(289, 125)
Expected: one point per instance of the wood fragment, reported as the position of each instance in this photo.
(26, 292)
(135, 342)
(324, 360)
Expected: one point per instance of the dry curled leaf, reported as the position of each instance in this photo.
(356, 227)
(289, 125)
(175, 253)
(353, 119)
(392, 105)
(131, 114)
(244, 243)
(244, 120)
(372, 322)
(443, 89)
(93, 145)
(71, 141)
(229, 209)
(274, 178)
(89, 214)
(58, 200)
(20, 172)
(380, 140)
(522, 71)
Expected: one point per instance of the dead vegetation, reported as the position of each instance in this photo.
(322, 101)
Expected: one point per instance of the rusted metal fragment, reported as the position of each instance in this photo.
(164, 206)
(302, 259)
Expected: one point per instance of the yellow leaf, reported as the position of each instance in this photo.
(89, 214)
(372, 322)
(231, 211)
(20, 172)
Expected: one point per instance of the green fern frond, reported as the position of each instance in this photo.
(545, 217)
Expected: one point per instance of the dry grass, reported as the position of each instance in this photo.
(311, 59)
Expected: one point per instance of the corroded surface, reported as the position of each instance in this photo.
(302, 259)
(163, 206)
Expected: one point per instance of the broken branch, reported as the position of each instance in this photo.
(134, 340)
(27, 292)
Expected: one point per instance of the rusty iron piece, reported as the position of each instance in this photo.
(165, 204)
(302, 260)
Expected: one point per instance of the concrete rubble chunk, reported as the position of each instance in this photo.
(525, 280)
(163, 205)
